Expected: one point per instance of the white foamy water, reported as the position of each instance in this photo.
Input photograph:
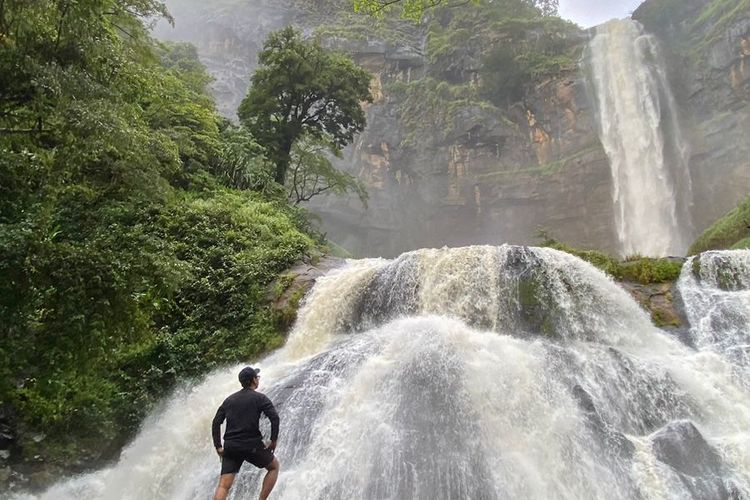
(715, 287)
(641, 134)
(470, 373)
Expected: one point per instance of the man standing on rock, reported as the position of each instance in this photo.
(242, 438)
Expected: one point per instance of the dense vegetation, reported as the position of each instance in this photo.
(731, 231)
(139, 231)
(481, 60)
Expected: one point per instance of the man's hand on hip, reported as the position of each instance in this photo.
(220, 451)
(271, 446)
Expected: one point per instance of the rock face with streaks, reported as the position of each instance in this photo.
(708, 44)
(447, 163)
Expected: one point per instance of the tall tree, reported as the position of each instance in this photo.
(299, 88)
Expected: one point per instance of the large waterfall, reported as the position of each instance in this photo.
(640, 132)
(478, 373)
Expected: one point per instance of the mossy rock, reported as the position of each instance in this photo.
(536, 311)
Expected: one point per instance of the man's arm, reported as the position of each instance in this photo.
(216, 426)
(270, 412)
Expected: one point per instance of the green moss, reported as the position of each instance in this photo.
(696, 267)
(648, 270)
(286, 317)
(348, 25)
(636, 269)
(662, 319)
(527, 292)
(536, 311)
(743, 243)
(428, 105)
(721, 12)
(726, 232)
(337, 250)
(711, 24)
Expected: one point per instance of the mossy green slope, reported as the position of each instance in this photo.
(731, 231)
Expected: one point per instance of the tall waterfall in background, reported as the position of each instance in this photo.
(639, 129)
(477, 373)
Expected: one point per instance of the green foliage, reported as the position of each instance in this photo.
(311, 173)
(183, 62)
(533, 48)
(243, 163)
(234, 246)
(125, 266)
(336, 250)
(415, 9)
(727, 232)
(744, 243)
(350, 26)
(635, 268)
(720, 12)
(434, 104)
(301, 89)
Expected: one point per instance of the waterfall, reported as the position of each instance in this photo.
(476, 373)
(640, 132)
(715, 287)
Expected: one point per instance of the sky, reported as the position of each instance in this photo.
(589, 13)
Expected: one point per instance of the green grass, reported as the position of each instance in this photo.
(730, 230)
(644, 270)
(744, 243)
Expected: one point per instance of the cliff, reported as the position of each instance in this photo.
(483, 129)
(708, 44)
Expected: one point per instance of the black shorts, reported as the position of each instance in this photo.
(232, 459)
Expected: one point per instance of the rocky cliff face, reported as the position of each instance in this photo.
(447, 164)
(708, 42)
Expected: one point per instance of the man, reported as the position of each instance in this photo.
(242, 438)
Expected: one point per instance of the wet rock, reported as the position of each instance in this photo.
(613, 441)
(392, 292)
(659, 300)
(681, 446)
(286, 292)
(6, 439)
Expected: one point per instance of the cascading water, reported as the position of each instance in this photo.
(640, 132)
(715, 287)
(471, 373)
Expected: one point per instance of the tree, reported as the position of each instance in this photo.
(243, 163)
(311, 172)
(414, 9)
(300, 89)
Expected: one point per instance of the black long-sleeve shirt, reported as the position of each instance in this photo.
(242, 412)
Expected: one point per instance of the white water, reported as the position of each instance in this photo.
(716, 291)
(640, 132)
(472, 373)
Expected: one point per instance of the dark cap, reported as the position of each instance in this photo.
(247, 374)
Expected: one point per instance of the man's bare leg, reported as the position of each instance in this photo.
(270, 480)
(225, 482)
